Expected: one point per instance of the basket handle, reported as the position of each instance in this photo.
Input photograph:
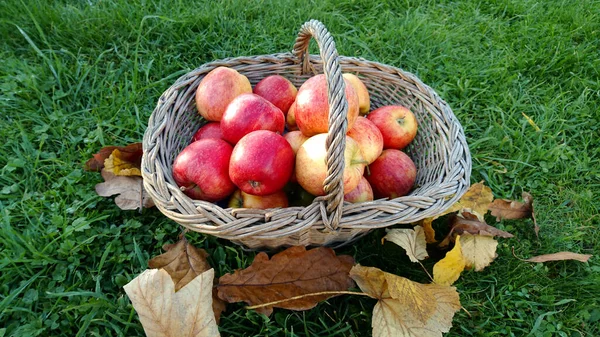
(338, 109)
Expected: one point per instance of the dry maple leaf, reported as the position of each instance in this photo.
(131, 153)
(560, 256)
(447, 270)
(121, 167)
(406, 308)
(510, 209)
(478, 250)
(290, 273)
(184, 262)
(166, 313)
(130, 190)
(413, 241)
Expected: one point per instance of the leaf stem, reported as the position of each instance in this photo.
(425, 269)
(308, 295)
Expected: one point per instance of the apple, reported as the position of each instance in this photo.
(250, 112)
(368, 137)
(261, 163)
(217, 89)
(296, 139)
(311, 166)
(312, 106)
(392, 175)
(201, 170)
(397, 124)
(363, 192)
(364, 101)
(241, 199)
(290, 119)
(208, 130)
(277, 90)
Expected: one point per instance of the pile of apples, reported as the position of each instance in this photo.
(264, 147)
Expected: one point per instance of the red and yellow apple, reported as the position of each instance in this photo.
(392, 175)
(217, 89)
(290, 119)
(277, 90)
(312, 106)
(250, 112)
(364, 101)
(368, 137)
(397, 124)
(311, 165)
(261, 163)
(241, 199)
(363, 192)
(208, 130)
(296, 139)
(201, 170)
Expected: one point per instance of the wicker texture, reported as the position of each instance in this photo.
(440, 152)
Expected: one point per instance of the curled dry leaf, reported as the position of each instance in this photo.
(406, 308)
(467, 222)
(291, 273)
(131, 153)
(166, 313)
(560, 256)
(447, 270)
(184, 262)
(428, 229)
(130, 190)
(478, 250)
(413, 241)
(510, 209)
(121, 167)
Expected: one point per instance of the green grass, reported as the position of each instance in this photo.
(79, 75)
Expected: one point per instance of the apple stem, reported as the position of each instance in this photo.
(368, 170)
(354, 162)
(185, 188)
(400, 121)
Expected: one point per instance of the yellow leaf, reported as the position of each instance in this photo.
(478, 250)
(412, 240)
(166, 313)
(477, 198)
(120, 167)
(406, 308)
(447, 270)
(428, 229)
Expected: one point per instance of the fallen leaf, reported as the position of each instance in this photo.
(428, 229)
(560, 256)
(467, 222)
(412, 240)
(406, 308)
(477, 198)
(184, 262)
(290, 273)
(131, 153)
(130, 190)
(166, 313)
(447, 270)
(478, 250)
(511, 210)
(121, 167)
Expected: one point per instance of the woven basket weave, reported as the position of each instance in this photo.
(439, 151)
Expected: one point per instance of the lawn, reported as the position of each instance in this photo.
(79, 75)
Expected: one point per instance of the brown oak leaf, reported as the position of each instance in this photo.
(131, 153)
(511, 209)
(294, 272)
(184, 263)
(130, 190)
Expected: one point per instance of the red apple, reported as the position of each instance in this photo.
(368, 137)
(261, 163)
(209, 130)
(311, 167)
(397, 124)
(392, 175)
(277, 90)
(250, 112)
(290, 119)
(296, 139)
(217, 89)
(202, 170)
(241, 199)
(312, 107)
(363, 192)
(364, 101)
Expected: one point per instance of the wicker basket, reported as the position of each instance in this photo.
(439, 151)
